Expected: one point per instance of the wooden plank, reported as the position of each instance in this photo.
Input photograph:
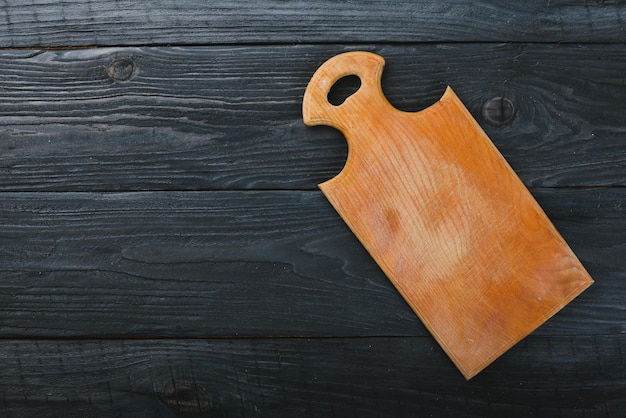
(571, 376)
(230, 117)
(124, 22)
(246, 264)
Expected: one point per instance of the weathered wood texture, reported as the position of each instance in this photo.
(172, 266)
(196, 264)
(209, 118)
(127, 22)
(361, 377)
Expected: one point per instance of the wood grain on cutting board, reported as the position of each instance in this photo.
(444, 216)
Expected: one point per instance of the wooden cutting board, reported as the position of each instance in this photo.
(444, 216)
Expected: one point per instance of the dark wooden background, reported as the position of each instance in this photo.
(164, 250)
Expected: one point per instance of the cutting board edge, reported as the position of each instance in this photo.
(468, 372)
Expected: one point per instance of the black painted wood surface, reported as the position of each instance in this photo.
(207, 118)
(198, 264)
(315, 377)
(164, 250)
(184, 22)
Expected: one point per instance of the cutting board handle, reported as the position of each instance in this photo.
(316, 108)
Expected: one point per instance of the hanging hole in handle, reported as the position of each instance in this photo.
(343, 88)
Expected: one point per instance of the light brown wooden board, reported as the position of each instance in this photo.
(444, 215)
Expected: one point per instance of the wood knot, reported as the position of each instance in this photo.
(122, 69)
(499, 111)
(185, 396)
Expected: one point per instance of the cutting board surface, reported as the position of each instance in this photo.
(444, 216)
